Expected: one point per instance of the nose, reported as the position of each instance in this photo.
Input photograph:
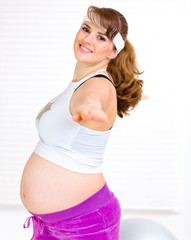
(89, 38)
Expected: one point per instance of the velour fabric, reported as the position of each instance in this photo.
(102, 223)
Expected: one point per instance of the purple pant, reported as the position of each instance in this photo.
(97, 218)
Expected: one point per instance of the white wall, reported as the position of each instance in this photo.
(12, 217)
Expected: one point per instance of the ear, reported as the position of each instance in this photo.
(113, 54)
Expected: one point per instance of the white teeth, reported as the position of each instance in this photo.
(85, 49)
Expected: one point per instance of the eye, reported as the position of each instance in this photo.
(101, 38)
(85, 29)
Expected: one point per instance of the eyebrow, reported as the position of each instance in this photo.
(98, 32)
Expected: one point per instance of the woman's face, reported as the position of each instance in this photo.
(91, 45)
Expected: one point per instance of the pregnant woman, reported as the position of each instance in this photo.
(62, 185)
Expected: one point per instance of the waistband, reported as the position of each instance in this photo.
(94, 202)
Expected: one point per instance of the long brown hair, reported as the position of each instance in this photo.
(123, 68)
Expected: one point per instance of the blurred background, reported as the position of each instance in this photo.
(147, 162)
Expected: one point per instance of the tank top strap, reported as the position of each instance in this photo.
(96, 74)
(103, 76)
(99, 72)
(109, 77)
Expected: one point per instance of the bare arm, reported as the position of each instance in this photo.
(94, 102)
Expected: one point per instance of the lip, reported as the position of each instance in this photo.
(83, 51)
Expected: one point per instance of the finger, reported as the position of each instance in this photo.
(76, 118)
(99, 116)
(90, 116)
(144, 97)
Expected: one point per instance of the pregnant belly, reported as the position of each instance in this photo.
(47, 187)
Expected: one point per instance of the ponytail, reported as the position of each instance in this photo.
(123, 68)
(124, 72)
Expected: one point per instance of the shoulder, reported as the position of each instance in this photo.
(99, 82)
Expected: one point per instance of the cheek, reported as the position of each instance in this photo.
(105, 49)
(77, 37)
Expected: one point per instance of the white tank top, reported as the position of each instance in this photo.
(66, 142)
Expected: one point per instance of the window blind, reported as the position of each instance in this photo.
(143, 159)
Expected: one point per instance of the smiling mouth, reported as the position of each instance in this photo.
(84, 49)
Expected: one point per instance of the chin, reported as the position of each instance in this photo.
(83, 59)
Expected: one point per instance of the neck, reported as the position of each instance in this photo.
(82, 70)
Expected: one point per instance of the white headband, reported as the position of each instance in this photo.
(117, 40)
